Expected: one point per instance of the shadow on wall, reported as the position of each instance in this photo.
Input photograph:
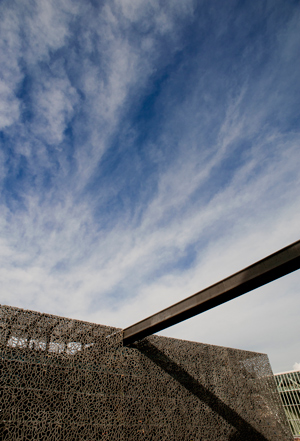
(242, 430)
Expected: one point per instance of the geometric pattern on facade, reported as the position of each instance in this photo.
(64, 379)
(288, 384)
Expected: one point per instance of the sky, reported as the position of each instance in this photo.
(149, 149)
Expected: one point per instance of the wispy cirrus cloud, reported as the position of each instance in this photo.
(147, 151)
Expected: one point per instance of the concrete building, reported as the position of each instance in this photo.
(64, 379)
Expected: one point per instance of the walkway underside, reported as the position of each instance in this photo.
(264, 271)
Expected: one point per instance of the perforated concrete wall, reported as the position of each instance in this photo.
(64, 379)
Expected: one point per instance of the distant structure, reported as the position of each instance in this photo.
(288, 385)
(69, 380)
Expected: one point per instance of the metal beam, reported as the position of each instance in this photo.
(264, 271)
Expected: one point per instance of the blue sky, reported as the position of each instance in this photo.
(149, 149)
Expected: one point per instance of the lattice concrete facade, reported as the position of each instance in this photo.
(64, 379)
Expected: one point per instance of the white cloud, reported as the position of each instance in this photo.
(46, 26)
(9, 106)
(10, 47)
(54, 106)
